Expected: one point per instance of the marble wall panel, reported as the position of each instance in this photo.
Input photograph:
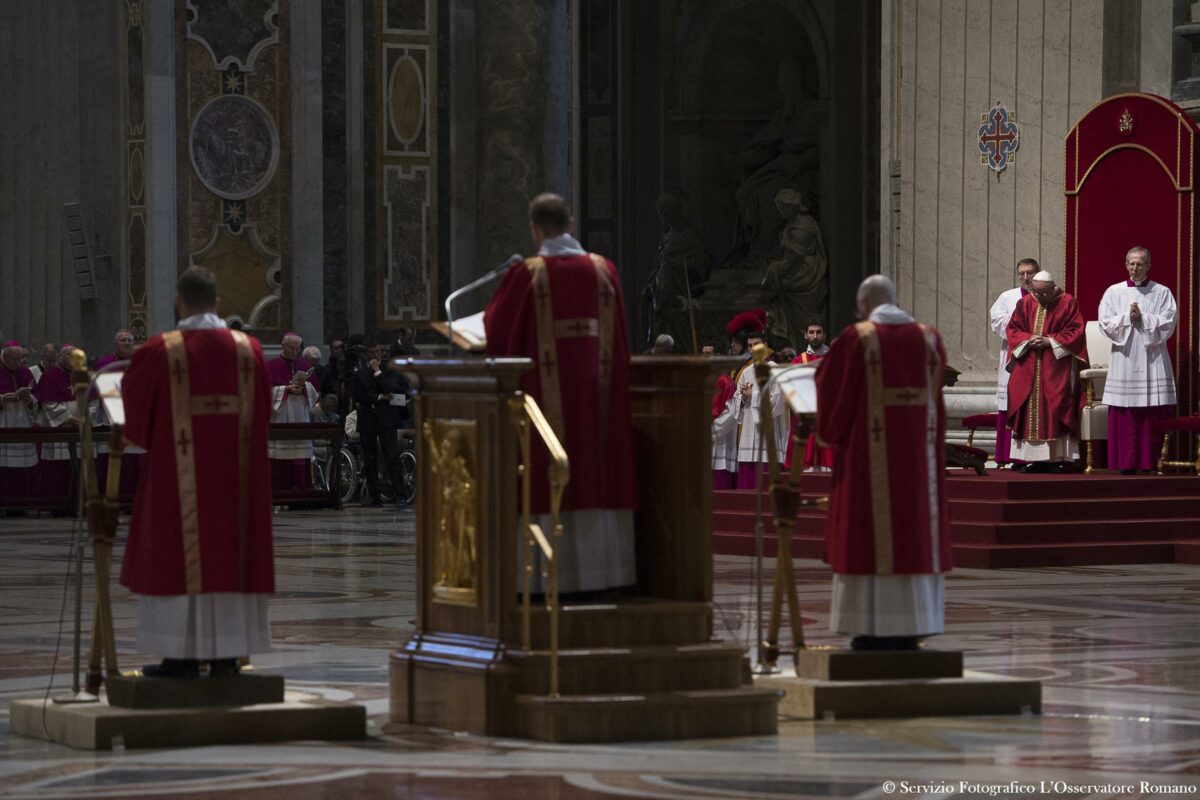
(60, 144)
(235, 75)
(950, 62)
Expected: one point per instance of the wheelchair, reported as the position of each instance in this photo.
(347, 468)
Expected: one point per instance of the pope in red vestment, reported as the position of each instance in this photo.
(563, 308)
(1047, 348)
(879, 404)
(199, 550)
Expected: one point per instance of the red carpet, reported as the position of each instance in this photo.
(1007, 519)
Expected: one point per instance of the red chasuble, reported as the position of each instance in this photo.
(566, 313)
(1044, 396)
(720, 398)
(879, 404)
(199, 402)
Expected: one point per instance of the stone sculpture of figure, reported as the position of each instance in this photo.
(794, 287)
(781, 155)
(682, 265)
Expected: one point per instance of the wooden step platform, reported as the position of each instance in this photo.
(744, 711)
(247, 689)
(975, 693)
(100, 726)
(712, 665)
(840, 664)
(622, 621)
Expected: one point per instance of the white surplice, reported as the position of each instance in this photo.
(1139, 373)
(725, 436)
(287, 407)
(15, 414)
(751, 447)
(1002, 311)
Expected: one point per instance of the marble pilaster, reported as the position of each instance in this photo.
(160, 170)
(1156, 46)
(356, 146)
(927, 79)
(977, 181)
(308, 278)
(950, 190)
(513, 70)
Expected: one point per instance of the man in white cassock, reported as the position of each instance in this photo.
(1138, 316)
(1001, 313)
(750, 407)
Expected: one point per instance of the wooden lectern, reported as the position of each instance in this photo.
(637, 665)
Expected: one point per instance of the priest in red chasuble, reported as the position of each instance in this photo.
(1046, 350)
(887, 536)
(563, 309)
(197, 399)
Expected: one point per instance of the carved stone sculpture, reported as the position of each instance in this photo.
(794, 287)
(682, 265)
(782, 155)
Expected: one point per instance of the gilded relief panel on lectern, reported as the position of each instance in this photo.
(451, 449)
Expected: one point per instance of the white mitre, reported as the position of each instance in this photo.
(1043, 276)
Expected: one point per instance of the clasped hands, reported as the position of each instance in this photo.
(1039, 342)
(1135, 313)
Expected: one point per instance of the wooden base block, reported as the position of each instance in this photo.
(974, 693)
(99, 726)
(832, 664)
(247, 689)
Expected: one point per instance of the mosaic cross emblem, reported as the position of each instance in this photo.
(999, 138)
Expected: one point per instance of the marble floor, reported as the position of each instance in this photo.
(1117, 648)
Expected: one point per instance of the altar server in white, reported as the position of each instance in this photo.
(1002, 311)
(1138, 316)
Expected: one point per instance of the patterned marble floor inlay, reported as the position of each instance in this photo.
(1116, 647)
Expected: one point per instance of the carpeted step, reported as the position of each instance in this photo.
(1072, 509)
(1131, 531)
(1079, 554)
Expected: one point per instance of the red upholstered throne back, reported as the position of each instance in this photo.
(1130, 177)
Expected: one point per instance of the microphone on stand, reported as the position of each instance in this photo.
(515, 258)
